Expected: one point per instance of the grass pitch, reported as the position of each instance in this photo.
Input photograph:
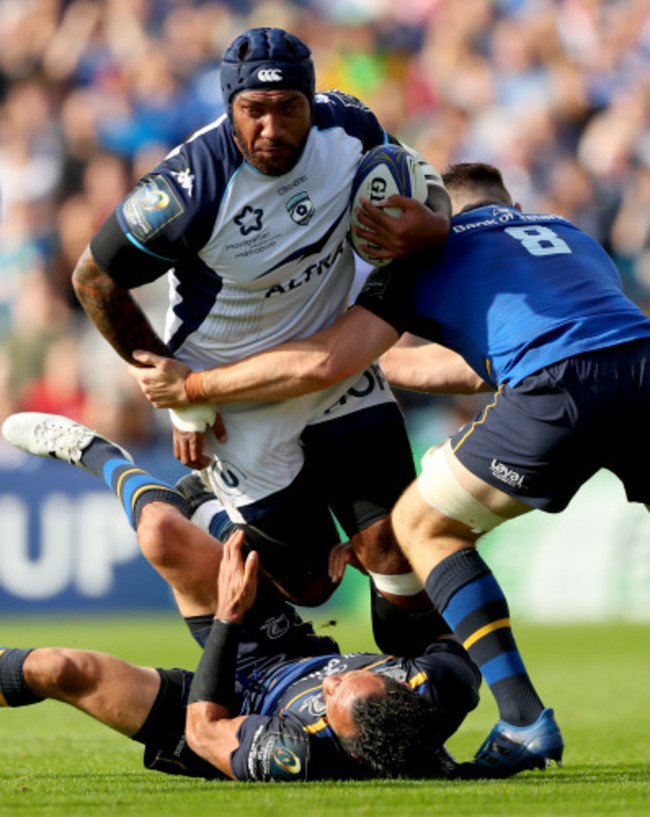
(55, 761)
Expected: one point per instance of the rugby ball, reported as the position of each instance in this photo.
(384, 171)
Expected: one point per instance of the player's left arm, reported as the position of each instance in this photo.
(211, 731)
(289, 370)
(430, 368)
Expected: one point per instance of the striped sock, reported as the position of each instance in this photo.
(464, 589)
(133, 486)
(14, 690)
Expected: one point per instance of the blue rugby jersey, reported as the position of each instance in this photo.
(510, 292)
(286, 734)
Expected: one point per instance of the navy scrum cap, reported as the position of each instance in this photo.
(267, 59)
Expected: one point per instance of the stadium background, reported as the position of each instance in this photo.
(94, 92)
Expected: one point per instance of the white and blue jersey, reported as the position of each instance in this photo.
(253, 261)
(511, 292)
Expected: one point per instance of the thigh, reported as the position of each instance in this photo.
(356, 467)
(294, 532)
(360, 464)
(446, 510)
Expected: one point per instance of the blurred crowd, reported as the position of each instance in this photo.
(94, 92)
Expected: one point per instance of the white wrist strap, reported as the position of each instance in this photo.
(194, 418)
(400, 584)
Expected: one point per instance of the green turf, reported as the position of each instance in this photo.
(55, 761)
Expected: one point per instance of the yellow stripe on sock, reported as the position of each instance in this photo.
(489, 628)
(130, 472)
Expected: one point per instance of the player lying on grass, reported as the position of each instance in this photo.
(536, 308)
(270, 700)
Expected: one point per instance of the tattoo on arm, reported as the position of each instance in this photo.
(114, 312)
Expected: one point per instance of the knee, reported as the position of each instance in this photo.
(54, 672)
(377, 549)
(161, 534)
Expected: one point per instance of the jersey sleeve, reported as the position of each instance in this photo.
(336, 108)
(271, 748)
(170, 214)
(144, 236)
(387, 293)
(452, 682)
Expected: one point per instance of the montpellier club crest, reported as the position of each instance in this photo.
(301, 208)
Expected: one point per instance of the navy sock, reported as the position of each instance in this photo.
(400, 631)
(14, 690)
(133, 486)
(472, 603)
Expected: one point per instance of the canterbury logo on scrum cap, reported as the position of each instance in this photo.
(269, 75)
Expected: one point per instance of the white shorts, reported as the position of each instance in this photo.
(263, 453)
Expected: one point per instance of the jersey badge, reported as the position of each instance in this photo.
(150, 208)
(278, 756)
(249, 219)
(301, 208)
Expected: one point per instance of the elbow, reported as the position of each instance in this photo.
(196, 733)
(80, 274)
(329, 371)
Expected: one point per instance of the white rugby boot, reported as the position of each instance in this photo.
(52, 435)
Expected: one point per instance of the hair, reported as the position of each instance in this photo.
(477, 177)
(267, 59)
(398, 734)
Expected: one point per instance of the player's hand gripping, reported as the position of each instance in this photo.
(417, 228)
(237, 583)
(340, 557)
(162, 379)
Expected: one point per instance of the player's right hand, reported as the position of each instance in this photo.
(340, 557)
(189, 448)
(237, 583)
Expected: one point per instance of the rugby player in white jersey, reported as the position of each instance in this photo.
(250, 218)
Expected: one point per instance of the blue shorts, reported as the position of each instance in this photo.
(541, 440)
(356, 468)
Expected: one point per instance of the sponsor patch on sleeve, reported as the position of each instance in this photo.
(150, 208)
(277, 756)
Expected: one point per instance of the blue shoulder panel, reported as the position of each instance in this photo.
(173, 209)
(334, 109)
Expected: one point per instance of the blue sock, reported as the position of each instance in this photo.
(472, 603)
(133, 486)
(14, 690)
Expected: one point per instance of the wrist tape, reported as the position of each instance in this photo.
(194, 390)
(214, 680)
